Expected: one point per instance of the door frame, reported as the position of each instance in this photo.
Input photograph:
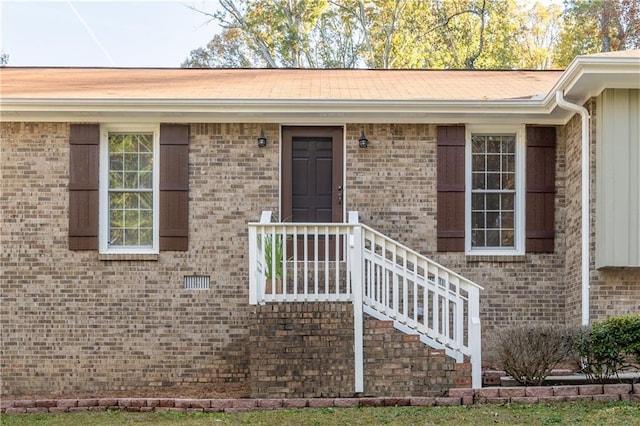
(337, 132)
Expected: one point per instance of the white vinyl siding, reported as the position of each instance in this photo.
(618, 178)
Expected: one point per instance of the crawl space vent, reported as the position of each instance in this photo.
(197, 282)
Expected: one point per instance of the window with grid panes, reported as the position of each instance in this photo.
(129, 222)
(493, 191)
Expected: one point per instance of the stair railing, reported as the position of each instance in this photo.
(304, 262)
(421, 296)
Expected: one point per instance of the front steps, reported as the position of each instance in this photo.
(400, 362)
(305, 350)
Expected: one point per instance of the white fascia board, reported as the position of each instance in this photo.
(588, 76)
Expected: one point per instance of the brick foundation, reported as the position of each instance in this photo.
(397, 364)
(306, 350)
(302, 350)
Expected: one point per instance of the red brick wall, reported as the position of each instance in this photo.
(302, 350)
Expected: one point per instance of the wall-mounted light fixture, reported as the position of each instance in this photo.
(262, 139)
(363, 142)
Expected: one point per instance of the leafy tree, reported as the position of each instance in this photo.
(593, 26)
(336, 40)
(477, 34)
(537, 35)
(225, 50)
(471, 34)
(4, 59)
(277, 32)
(351, 33)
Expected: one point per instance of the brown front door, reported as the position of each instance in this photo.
(312, 186)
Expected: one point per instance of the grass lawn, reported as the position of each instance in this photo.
(592, 413)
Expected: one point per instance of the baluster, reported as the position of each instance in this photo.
(283, 260)
(315, 262)
(305, 249)
(336, 232)
(395, 282)
(326, 261)
(295, 261)
(384, 282)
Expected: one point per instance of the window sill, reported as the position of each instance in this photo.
(516, 258)
(127, 256)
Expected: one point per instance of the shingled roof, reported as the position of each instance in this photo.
(309, 95)
(121, 83)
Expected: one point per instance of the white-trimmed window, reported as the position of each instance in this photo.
(129, 189)
(495, 190)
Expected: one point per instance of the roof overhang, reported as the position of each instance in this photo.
(290, 111)
(585, 77)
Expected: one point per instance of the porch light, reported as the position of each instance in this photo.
(262, 140)
(363, 142)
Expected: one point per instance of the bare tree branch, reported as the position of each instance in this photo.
(239, 21)
(470, 62)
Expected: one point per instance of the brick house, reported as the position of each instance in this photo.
(139, 252)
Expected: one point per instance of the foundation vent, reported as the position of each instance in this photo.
(197, 282)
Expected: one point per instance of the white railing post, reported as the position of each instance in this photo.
(355, 258)
(265, 217)
(475, 336)
(256, 280)
(253, 266)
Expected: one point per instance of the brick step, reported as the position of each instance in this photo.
(294, 348)
(391, 336)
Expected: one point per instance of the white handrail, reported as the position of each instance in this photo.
(424, 297)
(300, 262)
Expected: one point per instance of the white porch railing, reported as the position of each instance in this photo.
(298, 262)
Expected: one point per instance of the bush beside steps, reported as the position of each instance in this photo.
(607, 351)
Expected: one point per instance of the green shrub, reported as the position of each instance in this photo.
(626, 331)
(599, 356)
(528, 353)
(609, 346)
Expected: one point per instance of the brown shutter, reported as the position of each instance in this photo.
(84, 160)
(451, 187)
(541, 185)
(174, 187)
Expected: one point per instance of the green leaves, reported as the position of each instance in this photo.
(592, 26)
(273, 255)
(450, 34)
(610, 346)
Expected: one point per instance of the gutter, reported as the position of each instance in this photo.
(288, 111)
(585, 234)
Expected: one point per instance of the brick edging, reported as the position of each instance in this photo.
(210, 405)
(490, 395)
(547, 394)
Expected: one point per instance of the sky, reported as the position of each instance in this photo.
(134, 33)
